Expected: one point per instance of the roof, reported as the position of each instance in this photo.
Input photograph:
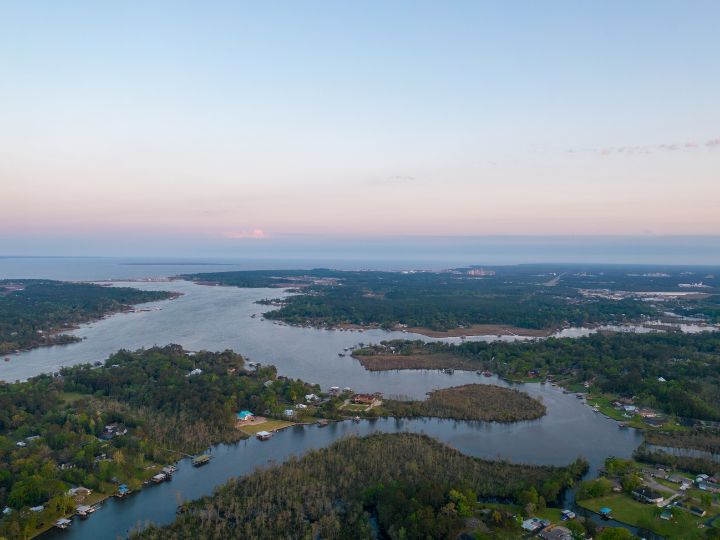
(242, 415)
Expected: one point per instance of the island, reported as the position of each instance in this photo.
(36, 313)
(482, 402)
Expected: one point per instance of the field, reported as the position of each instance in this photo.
(268, 425)
(625, 509)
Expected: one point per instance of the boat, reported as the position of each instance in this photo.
(169, 470)
(449, 371)
(341, 354)
(7, 358)
(487, 373)
(322, 422)
(263, 435)
(356, 419)
(202, 459)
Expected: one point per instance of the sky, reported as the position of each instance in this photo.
(233, 127)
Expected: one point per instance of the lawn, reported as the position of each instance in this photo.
(268, 425)
(627, 510)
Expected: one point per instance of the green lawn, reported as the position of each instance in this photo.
(269, 425)
(683, 526)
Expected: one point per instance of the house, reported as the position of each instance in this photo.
(366, 399)
(37, 508)
(123, 490)
(79, 491)
(245, 415)
(557, 532)
(534, 524)
(334, 391)
(113, 430)
(712, 487)
(697, 511)
(196, 371)
(301, 406)
(630, 408)
(648, 496)
(662, 379)
(677, 479)
(311, 397)
(21, 444)
(289, 412)
(659, 473)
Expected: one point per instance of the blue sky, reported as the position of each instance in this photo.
(236, 122)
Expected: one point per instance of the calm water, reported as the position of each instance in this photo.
(535, 442)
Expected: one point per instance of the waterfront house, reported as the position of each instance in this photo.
(647, 495)
(159, 477)
(365, 399)
(289, 413)
(63, 523)
(123, 490)
(245, 415)
(605, 512)
(311, 397)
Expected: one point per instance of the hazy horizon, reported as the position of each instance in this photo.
(396, 252)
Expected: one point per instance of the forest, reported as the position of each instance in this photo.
(398, 486)
(674, 372)
(471, 402)
(53, 432)
(34, 313)
(514, 296)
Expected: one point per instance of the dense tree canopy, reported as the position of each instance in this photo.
(34, 312)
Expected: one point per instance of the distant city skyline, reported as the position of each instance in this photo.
(262, 129)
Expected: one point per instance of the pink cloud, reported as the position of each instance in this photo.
(256, 234)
